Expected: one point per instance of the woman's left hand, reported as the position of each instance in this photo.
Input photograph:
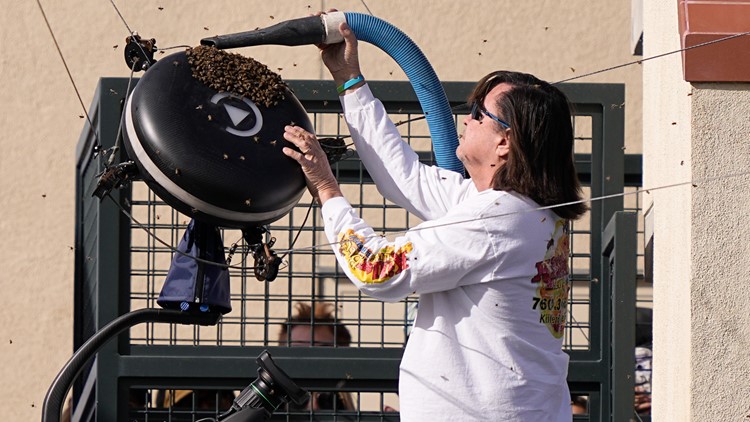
(320, 180)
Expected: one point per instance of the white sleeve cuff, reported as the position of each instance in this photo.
(357, 100)
(334, 207)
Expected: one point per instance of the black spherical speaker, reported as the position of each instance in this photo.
(210, 153)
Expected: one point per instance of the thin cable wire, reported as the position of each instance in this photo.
(70, 76)
(130, 31)
(173, 47)
(579, 326)
(170, 247)
(299, 232)
(368, 9)
(121, 17)
(608, 69)
(694, 183)
(116, 147)
(459, 109)
(216, 264)
(653, 57)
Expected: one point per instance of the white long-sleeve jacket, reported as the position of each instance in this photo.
(491, 272)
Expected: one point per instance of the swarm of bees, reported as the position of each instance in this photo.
(240, 75)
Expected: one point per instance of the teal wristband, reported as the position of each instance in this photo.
(350, 83)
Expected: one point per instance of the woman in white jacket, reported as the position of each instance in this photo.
(490, 267)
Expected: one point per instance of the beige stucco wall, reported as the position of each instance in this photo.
(720, 250)
(40, 124)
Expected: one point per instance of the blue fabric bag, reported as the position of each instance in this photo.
(196, 286)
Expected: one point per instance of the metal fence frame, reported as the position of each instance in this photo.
(102, 285)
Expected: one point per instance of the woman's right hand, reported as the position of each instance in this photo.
(341, 59)
(320, 179)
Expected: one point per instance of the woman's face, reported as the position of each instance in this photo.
(302, 335)
(484, 145)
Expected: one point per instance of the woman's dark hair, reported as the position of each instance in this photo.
(540, 163)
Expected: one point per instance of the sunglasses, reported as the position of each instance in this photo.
(477, 113)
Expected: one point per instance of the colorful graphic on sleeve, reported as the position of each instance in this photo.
(372, 266)
(552, 276)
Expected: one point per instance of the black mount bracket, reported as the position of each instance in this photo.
(266, 261)
(115, 177)
(139, 53)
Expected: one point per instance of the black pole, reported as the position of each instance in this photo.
(53, 402)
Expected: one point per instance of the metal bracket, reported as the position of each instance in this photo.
(139, 53)
(266, 261)
(114, 177)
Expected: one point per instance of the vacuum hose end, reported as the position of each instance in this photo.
(302, 31)
(210, 42)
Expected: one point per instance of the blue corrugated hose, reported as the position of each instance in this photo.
(423, 79)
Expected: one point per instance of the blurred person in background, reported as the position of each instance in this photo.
(317, 326)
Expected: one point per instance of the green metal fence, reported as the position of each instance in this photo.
(120, 267)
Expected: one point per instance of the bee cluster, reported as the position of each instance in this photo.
(240, 75)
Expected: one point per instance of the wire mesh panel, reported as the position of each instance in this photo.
(352, 345)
